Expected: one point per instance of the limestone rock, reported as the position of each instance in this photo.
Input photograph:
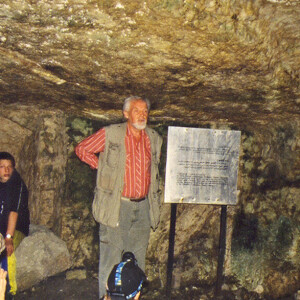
(40, 255)
(86, 56)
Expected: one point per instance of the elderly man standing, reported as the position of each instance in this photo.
(127, 196)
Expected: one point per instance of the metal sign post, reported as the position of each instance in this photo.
(222, 249)
(171, 249)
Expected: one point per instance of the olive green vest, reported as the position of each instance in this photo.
(110, 176)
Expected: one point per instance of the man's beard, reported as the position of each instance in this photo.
(139, 126)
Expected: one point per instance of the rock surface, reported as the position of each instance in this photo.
(40, 255)
(66, 67)
(198, 59)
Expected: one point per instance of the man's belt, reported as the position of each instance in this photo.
(133, 199)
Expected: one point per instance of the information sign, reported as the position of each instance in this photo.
(202, 166)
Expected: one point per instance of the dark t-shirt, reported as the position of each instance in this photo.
(14, 197)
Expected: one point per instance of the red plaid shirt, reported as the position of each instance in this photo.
(138, 160)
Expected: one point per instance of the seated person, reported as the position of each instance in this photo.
(125, 280)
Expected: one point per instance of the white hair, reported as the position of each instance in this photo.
(126, 105)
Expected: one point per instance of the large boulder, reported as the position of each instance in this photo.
(40, 255)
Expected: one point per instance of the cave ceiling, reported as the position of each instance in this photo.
(232, 61)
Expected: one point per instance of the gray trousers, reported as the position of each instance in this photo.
(132, 234)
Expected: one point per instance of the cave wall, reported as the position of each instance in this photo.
(266, 229)
(263, 236)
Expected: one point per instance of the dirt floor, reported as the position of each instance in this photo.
(59, 288)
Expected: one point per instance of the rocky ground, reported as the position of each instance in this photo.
(59, 288)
